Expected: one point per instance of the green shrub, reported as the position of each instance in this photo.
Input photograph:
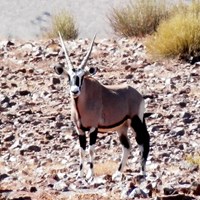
(64, 23)
(179, 35)
(138, 18)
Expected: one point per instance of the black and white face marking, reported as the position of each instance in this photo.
(75, 81)
(75, 77)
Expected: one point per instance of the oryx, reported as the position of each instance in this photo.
(98, 108)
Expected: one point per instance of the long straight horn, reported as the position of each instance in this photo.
(84, 61)
(69, 63)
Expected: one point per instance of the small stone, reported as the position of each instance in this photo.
(24, 92)
(59, 125)
(194, 127)
(22, 70)
(156, 128)
(181, 147)
(3, 176)
(33, 189)
(124, 62)
(188, 120)
(129, 76)
(178, 131)
(60, 185)
(13, 84)
(127, 67)
(55, 81)
(4, 99)
(186, 115)
(169, 191)
(137, 193)
(34, 148)
(182, 104)
(9, 138)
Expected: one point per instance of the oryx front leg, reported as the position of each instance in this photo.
(93, 137)
(126, 151)
(82, 141)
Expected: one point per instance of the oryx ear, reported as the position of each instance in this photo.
(91, 70)
(59, 70)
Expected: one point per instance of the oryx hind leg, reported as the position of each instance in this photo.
(142, 138)
(125, 151)
(93, 137)
(82, 142)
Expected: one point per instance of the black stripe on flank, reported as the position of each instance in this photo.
(114, 125)
(84, 128)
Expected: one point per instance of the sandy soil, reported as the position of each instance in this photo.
(24, 19)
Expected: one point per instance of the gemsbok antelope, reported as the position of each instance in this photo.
(98, 108)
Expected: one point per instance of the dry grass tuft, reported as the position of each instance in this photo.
(139, 18)
(179, 35)
(64, 23)
(195, 159)
(109, 167)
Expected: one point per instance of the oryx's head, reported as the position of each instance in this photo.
(75, 75)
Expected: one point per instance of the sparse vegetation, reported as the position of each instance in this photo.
(64, 23)
(179, 35)
(194, 159)
(139, 18)
(108, 167)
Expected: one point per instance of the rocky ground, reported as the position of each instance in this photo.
(39, 147)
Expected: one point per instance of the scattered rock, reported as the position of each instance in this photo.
(182, 104)
(61, 186)
(4, 99)
(178, 131)
(33, 189)
(3, 176)
(137, 193)
(9, 138)
(34, 148)
(55, 81)
(129, 76)
(39, 146)
(24, 92)
(169, 191)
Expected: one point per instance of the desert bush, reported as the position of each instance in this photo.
(179, 35)
(193, 159)
(138, 18)
(64, 23)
